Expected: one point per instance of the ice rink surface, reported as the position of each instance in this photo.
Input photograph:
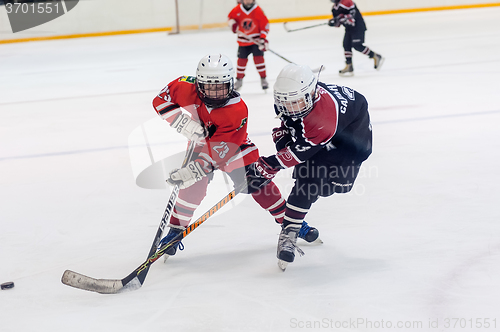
(414, 247)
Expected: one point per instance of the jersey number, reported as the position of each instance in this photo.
(221, 149)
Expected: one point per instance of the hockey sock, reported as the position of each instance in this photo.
(260, 65)
(270, 199)
(240, 68)
(366, 51)
(294, 214)
(187, 202)
(348, 57)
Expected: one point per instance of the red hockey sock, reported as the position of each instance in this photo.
(187, 202)
(270, 199)
(240, 68)
(260, 65)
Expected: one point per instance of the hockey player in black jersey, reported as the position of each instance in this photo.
(347, 14)
(325, 135)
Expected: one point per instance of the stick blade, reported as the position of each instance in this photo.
(286, 26)
(103, 286)
(318, 69)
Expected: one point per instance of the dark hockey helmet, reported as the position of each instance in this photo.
(295, 91)
(215, 80)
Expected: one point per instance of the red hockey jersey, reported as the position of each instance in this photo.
(253, 23)
(227, 147)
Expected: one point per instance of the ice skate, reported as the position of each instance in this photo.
(378, 61)
(347, 71)
(172, 233)
(309, 233)
(238, 84)
(264, 83)
(287, 243)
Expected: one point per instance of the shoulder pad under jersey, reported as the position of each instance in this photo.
(188, 79)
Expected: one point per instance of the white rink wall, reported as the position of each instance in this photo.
(103, 16)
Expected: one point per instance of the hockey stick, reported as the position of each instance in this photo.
(166, 213)
(133, 280)
(308, 27)
(256, 42)
(170, 206)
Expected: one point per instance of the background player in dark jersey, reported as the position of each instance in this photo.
(208, 111)
(325, 134)
(248, 19)
(347, 14)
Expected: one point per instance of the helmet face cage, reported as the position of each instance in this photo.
(215, 94)
(297, 107)
(295, 91)
(248, 6)
(215, 80)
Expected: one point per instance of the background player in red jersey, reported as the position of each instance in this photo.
(248, 19)
(208, 111)
(347, 14)
(325, 134)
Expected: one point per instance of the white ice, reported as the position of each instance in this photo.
(414, 247)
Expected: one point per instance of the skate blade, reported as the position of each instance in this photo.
(380, 64)
(317, 241)
(348, 74)
(282, 265)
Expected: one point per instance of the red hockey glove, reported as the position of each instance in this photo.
(263, 44)
(259, 174)
(282, 138)
(233, 25)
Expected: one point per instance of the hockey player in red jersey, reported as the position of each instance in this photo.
(325, 135)
(347, 14)
(248, 19)
(208, 112)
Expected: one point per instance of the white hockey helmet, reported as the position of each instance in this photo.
(295, 90)
(215, 80)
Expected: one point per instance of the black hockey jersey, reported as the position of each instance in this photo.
(339, 121)
(353, 20)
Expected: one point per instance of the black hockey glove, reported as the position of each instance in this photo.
(281, 137)
(335, 22)
(259, 174)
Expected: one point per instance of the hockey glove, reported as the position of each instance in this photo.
(186, 176)
(259, 174)
(263, 44)
(282, 138)
(233, 25)
(336, 21)
(347, 20)
(189, 128)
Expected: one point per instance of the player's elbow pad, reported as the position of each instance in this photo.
(233, 25)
